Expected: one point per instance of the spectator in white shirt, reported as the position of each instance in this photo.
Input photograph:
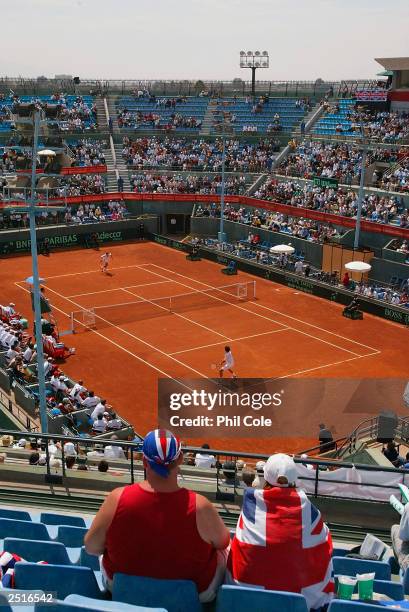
(77, 389)
(48, 366)
(11, 353)
(69, 450)
(29, 353)
(205, 461)
(114, 422)
(91, 401)
(100, 424)
(400, 539)
(100, 408)
(114, 452)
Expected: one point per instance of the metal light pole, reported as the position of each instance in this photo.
(36, 282)
(222, 235)
(254, 60)
(360, 193)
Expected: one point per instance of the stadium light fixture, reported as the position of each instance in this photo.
(254, 60)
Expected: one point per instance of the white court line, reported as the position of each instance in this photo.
(278, 312)
(119, 288)
(178, 315)
(299, 331)
(196, 348)
(127, 333)
(94, 331)
(328, 365)
(88, 272)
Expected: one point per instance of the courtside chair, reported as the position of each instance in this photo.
(173, 595)
(350, 567)
(11, 528)
(60, 579)
(37, 550)
(243, 599)
(49, 518)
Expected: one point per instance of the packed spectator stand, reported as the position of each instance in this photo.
(151, 112)
(347, 117)
(180, 183)
(183, 154)
(386, 209)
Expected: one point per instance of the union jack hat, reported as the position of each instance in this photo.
(160, 448)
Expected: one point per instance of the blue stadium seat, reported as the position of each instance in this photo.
(71, 536)
(10, 528)
(49, 518)
(60, 579)
(243, 599)
(4, 604)
(392, 589)
(19, 515)
(87, 560)
(339, 605)
(37, 550)
(87, 603)
(174, 595)
(350, 567)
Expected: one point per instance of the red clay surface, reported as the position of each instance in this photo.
(283, 333)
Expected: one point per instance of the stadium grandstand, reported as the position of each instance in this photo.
(204, 308)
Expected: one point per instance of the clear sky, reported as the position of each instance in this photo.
(200, 39)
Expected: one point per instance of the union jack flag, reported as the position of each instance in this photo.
(282, 544)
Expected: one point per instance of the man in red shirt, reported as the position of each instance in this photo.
(158, 517)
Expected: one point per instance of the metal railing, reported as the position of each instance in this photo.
(222, 481)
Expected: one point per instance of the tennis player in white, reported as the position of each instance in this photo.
(105, 259)
(228, 363)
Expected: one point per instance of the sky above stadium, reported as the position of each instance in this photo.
(200, 39)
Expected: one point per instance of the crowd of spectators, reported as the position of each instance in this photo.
(401, 246)
(78, 185)
(344, 202)
(95, 212)
(183, 154)
(154, 120)
(299, 227)
(88, 152)
(398, 178)
(316, 158)
(178, 183)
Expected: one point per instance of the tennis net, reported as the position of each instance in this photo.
(145, 308)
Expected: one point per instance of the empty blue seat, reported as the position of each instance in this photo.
(392, 589)
(350, 567)
(37, 550)
(173, 595)
(49, 518)
(60, 579)
(10, 528)
(71, 536)
(78, 602)
(243, 599)
(19, 515)
(339, 605)
(89, 560)
(4, 604)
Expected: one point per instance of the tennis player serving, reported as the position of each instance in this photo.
(105, 259)
(228, 363)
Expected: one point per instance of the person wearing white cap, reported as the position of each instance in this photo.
(259, 481)
(281, 542)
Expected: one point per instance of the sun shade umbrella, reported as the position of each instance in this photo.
(47, 152)
(358, 266)
(282, 248)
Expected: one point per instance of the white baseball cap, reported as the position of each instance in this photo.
(280, 465)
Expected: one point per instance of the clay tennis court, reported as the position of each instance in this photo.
(280, 333)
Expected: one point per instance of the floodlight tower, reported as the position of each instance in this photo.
(254, 60)
(364, 143)
(223, 128)
(33, 206)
